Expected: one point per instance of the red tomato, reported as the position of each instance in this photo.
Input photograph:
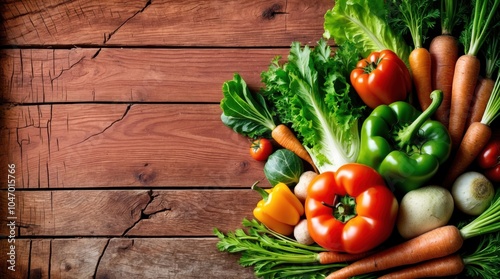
(381, 79)
(261, 149)
(350, 210)
(489, 160)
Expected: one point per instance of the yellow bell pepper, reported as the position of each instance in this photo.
(280, 210)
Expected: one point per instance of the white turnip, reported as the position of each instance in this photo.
(424, 209)
(472, 193)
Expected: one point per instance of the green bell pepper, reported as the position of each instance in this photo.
(403, 144)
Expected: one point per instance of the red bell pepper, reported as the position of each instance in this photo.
(489, 160)
(350, 210)
(381, 79)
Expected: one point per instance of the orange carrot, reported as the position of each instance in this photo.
(436, 243)
(474, 140)
(337, 257)
(440, 267)
(287, 139)
(468, 66)
(464, 83)
(444, 55)
(417, 17)
(420, 65)
(480, 98)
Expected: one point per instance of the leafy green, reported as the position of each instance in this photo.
(273, 255)
(483, 262)
(416, 16)
(244, 112)
(283, 166)
(364, 23)
(311, 92)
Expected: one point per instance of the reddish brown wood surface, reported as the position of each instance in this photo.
(110, 114)
(126, 145)
(127, 75)
(130, 213)
(192, 23)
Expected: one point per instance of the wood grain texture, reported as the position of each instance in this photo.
(109, 145)
(146, 258)
(90, 213)
(162, 22)
(127, 75)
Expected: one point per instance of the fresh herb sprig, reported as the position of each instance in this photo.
(483, 262)
(414, 16)
(273, 255)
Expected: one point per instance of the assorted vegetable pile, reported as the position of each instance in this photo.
(382, 154)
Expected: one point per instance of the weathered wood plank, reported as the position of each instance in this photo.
(124, 258)
(162, 22)
(105, 145)
(129, 212)
(14, 258)
(127, 75)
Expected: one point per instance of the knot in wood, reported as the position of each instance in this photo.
(271, 12)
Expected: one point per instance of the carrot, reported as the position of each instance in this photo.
(444, 54)
(436, 243)
(475, 139)
(482, 263)
(485, 84)
(417, 17)
(468, 66)
(337, 257)
(481, 96)
(440, 267)
(420, 65)
(286, 138)
(464, 82)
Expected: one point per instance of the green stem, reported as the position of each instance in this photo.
(479, 32)
(487, 222)
(262, 192)
(407, 134)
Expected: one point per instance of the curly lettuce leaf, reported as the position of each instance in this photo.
(313, 95)
(364, 23)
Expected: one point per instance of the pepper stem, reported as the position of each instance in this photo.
(344, 208)
(261, 191)
(408, 133)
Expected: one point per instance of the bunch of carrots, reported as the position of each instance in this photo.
(470, 100)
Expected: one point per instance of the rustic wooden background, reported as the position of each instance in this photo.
(110, 113)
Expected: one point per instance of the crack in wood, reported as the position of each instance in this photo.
(145, 215)
(100, 258)
(107, 127)
(64, 70)
(37, 11)
(109, 35)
